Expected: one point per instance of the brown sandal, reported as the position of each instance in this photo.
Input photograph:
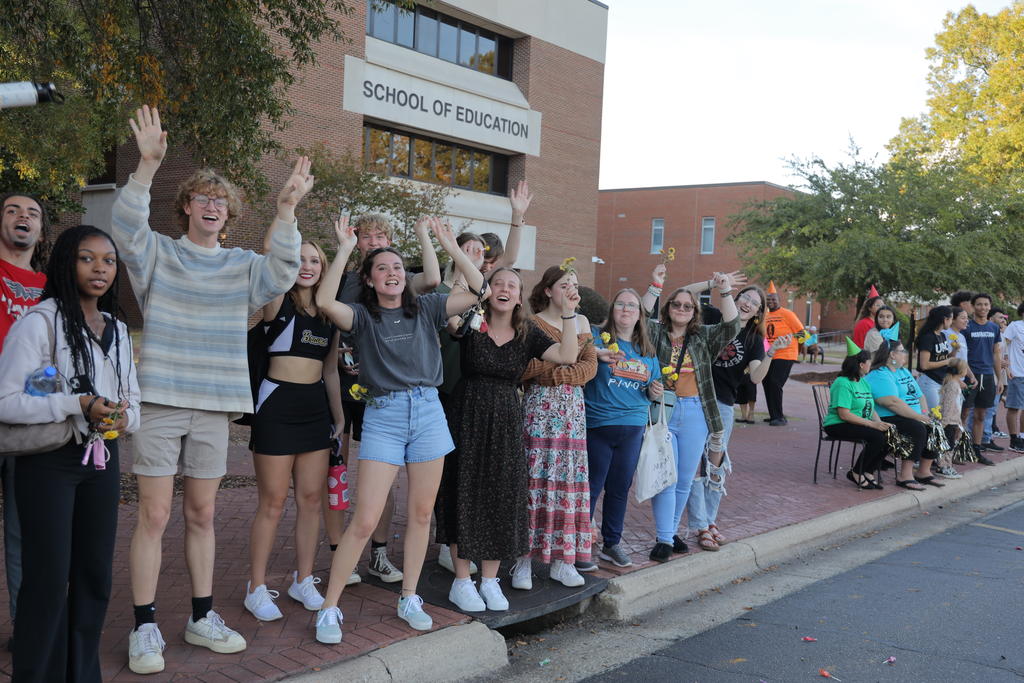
(716, 534)
(706, 541)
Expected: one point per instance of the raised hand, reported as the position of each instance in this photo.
(298, 184)
(519, 197)
(444, 234)
(782, 342)
(345, 233)
(151, 139)
(658, 274)
(738, 278)
(722, 282)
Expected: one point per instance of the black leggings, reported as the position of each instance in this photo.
(874, 443)
(916, 432)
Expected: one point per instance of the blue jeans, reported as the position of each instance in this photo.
(612, 454)
(930, 389)
(689, 434)
(706, 492)
(990, 416)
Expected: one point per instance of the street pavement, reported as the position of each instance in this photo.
(772, 488)
(945, 609)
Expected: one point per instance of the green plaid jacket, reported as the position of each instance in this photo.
(703, 347)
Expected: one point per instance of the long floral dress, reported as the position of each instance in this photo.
(555, 434)
(482, 502)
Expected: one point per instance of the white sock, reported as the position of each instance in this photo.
(484, 579)
(465, 580)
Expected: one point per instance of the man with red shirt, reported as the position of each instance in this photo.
(23, 228)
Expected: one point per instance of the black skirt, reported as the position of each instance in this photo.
(291, 418)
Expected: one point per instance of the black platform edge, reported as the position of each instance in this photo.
(546, 597)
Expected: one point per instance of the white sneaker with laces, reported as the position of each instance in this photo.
(260, 602)
(492, 595)
(305, 592)
(950, 473)
(211, 632)
(522, 574)
(411, 610)
(354, 578)
(444, 558)
(145, 650)
(328, 625)
(382, 568)
(566, 574)
(464, 595)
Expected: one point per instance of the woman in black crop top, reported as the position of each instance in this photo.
(297, 410)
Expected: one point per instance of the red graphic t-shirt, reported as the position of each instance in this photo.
(20, 290)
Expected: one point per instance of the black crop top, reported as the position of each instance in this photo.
(297, 334)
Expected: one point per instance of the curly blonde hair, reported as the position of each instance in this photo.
(212, 184)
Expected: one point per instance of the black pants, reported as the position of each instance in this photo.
(916, 432)
(778, 373)
(874, 443)
(69, 520)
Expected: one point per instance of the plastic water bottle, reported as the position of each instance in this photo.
(42, 382)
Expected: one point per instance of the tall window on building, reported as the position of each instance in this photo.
(657, 235)
(396, 153)
(707, 235)
(439, 35)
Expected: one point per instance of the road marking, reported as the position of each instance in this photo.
(999, 528)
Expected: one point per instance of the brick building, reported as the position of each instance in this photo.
(476, 94)
(634, 224)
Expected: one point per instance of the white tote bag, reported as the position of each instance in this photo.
(656, 469)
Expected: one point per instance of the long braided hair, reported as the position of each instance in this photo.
(62, 287)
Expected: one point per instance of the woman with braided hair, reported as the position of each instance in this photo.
(67, 502)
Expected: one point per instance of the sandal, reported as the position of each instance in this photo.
(863, 484)
(909, 484)
(716, 534)
(705, 541)
(929, 481)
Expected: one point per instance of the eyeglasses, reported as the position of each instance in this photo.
(623, 306)
(679, 305)
(752, 300)
(203, 200)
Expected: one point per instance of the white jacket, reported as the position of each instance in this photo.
(27, 348)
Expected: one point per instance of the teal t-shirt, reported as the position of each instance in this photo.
(899, 383)
(854, 396)
(618, 393)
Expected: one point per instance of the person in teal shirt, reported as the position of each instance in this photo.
(851, 416)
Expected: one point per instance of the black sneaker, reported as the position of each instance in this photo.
(679, 546)
(1017, 444)
(989, 446)
(982, 460)
(616, 555)
(662, 552)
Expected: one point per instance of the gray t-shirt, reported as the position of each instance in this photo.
(396, 352)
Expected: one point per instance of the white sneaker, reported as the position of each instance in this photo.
(211, 632)
(444, 558)
(145, 650)
(306, 592)
(522, 574)
(492, 595)
(354, 578)
(381, 567)
(328, 625)
(465, 597)
(566, 574)
(260, 602)
(950, 473)
(411, 610)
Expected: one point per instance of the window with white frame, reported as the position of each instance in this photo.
(707, 235)
(657, 235)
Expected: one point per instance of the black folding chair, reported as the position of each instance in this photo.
(822, 397)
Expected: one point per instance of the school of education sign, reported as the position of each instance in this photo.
(404, 99)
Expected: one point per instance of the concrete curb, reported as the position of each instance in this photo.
(453, 653)
(633, 595)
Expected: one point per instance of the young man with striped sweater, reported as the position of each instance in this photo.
(196, 298)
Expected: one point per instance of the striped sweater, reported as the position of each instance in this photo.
(196, 303)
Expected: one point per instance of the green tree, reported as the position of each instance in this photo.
(975, 81)
(905, 227)
(219, 70)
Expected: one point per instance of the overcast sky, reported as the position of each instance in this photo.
(709, 92)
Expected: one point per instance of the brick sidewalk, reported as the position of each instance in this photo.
(771, 488)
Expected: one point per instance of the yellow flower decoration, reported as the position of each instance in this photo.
(358, 392)
(605, 337)
(107, 421)
(110, 434)
(674, 377)
(614, 348)
(566, 264)
(936, 412)
(668, 255)
(667, 370)
(487, 247)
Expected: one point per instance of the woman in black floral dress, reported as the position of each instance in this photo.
(481, 508)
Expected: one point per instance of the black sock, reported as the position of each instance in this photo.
(374, 545)
(334, 546)
(200, 606)
(144, 614)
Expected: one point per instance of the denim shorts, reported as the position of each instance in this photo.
(405, 427)
(1015, 393)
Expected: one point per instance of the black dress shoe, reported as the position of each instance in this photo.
(982, 460)
(662, 552)
(989, 446)
(778, 422)
(679, 546)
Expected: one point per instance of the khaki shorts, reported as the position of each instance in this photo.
(174, 440)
